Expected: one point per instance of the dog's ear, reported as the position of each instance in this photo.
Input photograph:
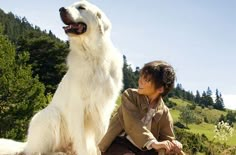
(105, 23)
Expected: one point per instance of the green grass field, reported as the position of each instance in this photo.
(207, 129)
(175, 114)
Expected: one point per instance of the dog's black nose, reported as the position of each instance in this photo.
(62, 9)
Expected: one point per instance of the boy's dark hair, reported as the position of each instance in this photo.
(160, 73)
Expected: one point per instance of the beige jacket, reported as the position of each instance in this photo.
(128, 118)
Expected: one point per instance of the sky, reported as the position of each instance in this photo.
(197, 37)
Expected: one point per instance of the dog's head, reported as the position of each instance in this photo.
(83, 18)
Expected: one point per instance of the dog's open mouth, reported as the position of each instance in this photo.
(76, 28)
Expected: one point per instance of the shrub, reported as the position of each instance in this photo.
(179, 125)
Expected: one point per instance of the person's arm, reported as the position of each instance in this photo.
(166, 127)
(113, 131)
(167, 134)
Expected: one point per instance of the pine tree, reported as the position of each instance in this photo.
(189, 96)
(206, 99)
(203, 101)
(208, 92)
(178, 90)
(219, 103)
(209, 99)
(21, 95)
(129, 77)
(197, 98)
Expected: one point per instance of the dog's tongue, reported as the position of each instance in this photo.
(77, 28)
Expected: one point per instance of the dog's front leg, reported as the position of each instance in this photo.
(77, 131)
(44, 131)
(80, 146)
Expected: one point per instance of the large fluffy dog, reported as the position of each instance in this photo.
(79, 112)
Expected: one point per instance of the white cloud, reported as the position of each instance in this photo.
(229, 101)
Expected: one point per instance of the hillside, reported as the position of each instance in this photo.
(47, 53)
(203, 127)
(212, 115)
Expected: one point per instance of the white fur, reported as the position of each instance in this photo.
(79, 113)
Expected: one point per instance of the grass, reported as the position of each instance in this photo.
(180, 102)
(175, 114)
(212, 115)
(208, 130)
(203, 128)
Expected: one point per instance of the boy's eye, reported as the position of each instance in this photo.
(147, 80)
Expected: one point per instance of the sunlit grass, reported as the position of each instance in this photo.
(208, 131)
(212, 115)
(180, 102)
(175, 114)
(203, 128)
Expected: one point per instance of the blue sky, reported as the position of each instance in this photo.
(197, 37)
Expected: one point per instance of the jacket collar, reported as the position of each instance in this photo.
(159, 107)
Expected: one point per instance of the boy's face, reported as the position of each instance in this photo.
(146, 87)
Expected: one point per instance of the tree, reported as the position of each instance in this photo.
(130, 78)
(209, 92)
(206, 99)
(186, 115)
(47, 57)
(47, 53)
(203, 101)
(231, 117)
(21, 95)
(219, 103)
(209, 99)
(197, 98)
(189, 96)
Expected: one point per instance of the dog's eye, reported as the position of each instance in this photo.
(81, 8)
(99, 15)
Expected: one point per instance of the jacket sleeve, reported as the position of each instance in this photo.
(166, 129)
(114, 130)
(130, 117)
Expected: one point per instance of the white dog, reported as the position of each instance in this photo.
(79, 112)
